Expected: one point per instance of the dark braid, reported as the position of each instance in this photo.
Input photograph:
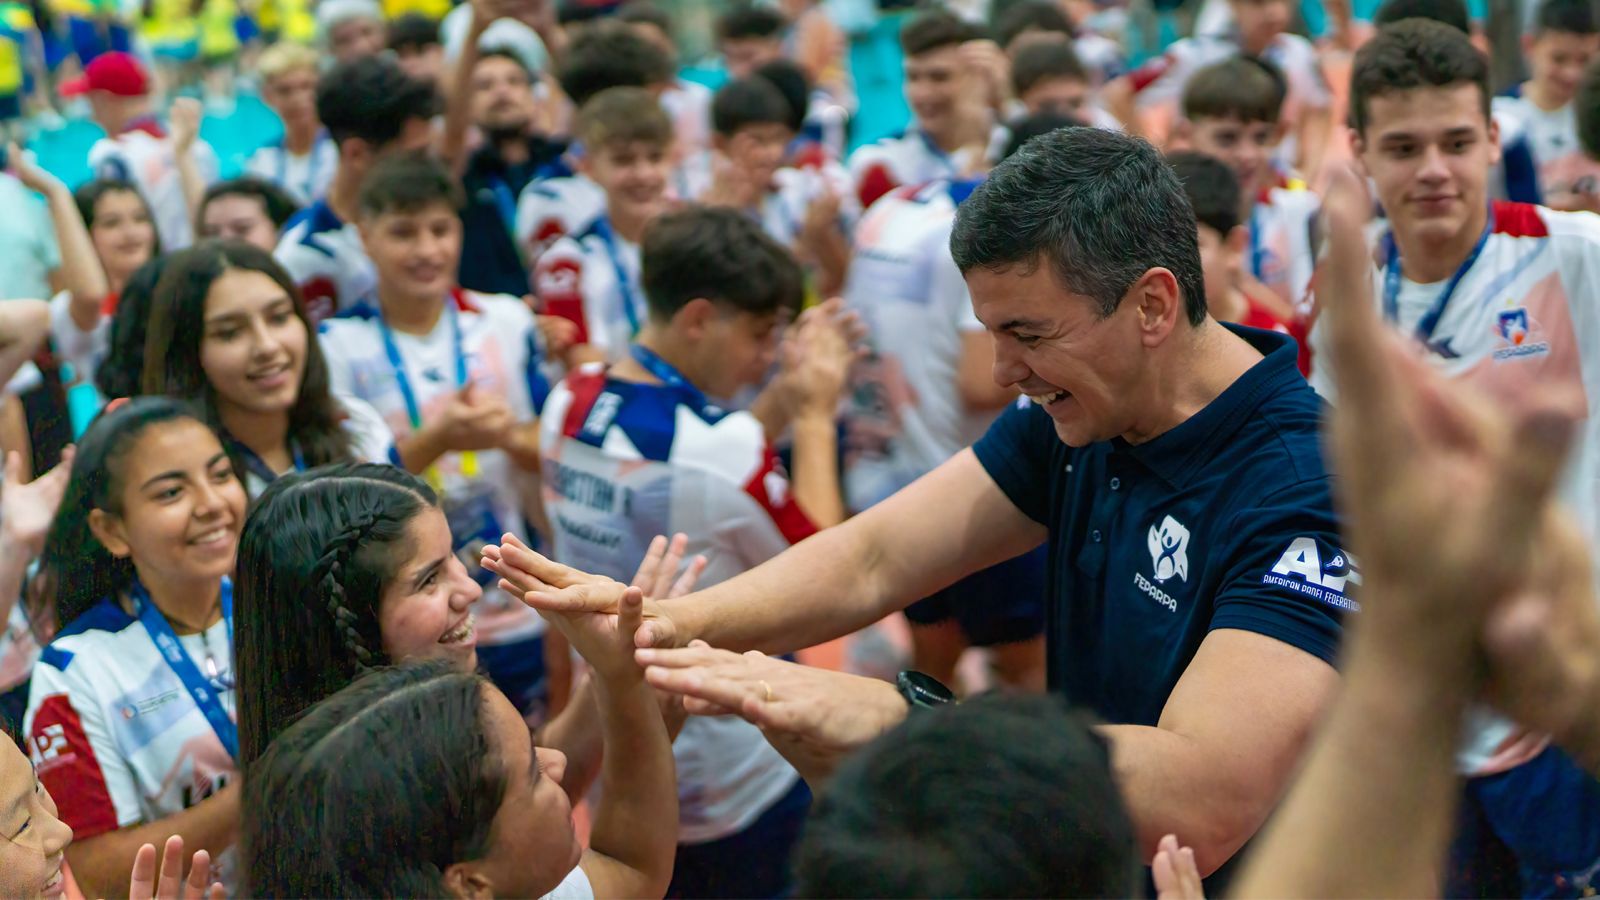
(332, 565)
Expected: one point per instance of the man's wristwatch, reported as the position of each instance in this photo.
(922, 691)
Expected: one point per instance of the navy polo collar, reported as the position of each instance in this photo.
(1176, 454)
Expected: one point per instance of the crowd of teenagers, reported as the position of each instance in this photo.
(533, 473)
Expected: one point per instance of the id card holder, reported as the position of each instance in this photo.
(469, 509)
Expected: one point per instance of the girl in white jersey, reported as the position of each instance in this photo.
(130, 710)
(228, 329)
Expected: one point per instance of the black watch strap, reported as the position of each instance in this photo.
(922, 691)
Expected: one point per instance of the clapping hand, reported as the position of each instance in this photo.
(28, 507)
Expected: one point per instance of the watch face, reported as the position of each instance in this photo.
(924, 690)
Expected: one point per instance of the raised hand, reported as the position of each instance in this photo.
(28, 508)
(144, 885)
(21, 164)
(658, 572)
(184, 119)
(549, 586)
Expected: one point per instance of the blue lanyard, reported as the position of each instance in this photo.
(1391, 282)
(669, 376)
(203, 690)
(1257, 254)
(258, 466)
(602, 229)
(414, 409)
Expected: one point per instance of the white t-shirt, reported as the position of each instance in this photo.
(552, 208)
(688, 105)
(1523, 317)
(305, 177)
(502, 350)
(325, 257)
(575, 886)
(28, 251)
(116, 737)
(370, 438)
(909, 158)
(144, 156)
(594, 283)
(905, 414)
(627, 461)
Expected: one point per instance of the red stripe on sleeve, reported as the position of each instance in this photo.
(771, 489)
(68, 769)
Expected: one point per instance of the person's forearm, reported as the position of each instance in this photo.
(833, 262)
(419, 450)
(81, 272)
(193, 184)
(824, 587)
(103, 863)
(14, 560)
(24, 326)
(1379, 786)
(1316, 128)
(522, 445)
(458, 94)
(1119, 100)
(636, 822)
(575, 731)
(771, 410)
(816, 469)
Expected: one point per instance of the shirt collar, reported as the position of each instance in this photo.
(1175, 454)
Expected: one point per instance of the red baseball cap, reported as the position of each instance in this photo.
(118, 74)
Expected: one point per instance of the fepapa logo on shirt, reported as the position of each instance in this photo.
(1169, 557)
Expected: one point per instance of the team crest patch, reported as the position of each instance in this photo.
(1518, 334)
(1169, 549)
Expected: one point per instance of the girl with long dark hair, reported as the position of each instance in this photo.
(132, 702)
(228, 330)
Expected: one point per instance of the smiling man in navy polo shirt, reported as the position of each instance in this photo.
(1171, 464)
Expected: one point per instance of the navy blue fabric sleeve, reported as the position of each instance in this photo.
(1521, 174)
(1288, 577)
(1016, 452)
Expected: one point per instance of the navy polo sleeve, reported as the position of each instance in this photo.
(1016, 452)
(1287, 575)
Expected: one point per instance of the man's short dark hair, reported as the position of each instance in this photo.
(790, 80)
(1043, 60)
(413, 31)
(371, 98)
(408, 183)
(608, 55)
(643, 12)
(747, 21)
(1411, 54)
(748, 101)
(277, 202)
(1001, 796)
(1027, 128)
(1450, 12)
(1586, 108)
(719, 254)
(508, 54)
(1098, 207)
(1565, 16)
(936, 29)
(1244, 88)
(1213, 189)
(1038, 15)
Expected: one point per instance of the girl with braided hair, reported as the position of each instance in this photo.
(345, 568)
(130, 709)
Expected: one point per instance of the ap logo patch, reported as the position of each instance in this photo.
(1169, 549)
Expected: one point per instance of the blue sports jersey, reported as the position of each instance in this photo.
(1225, 521)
